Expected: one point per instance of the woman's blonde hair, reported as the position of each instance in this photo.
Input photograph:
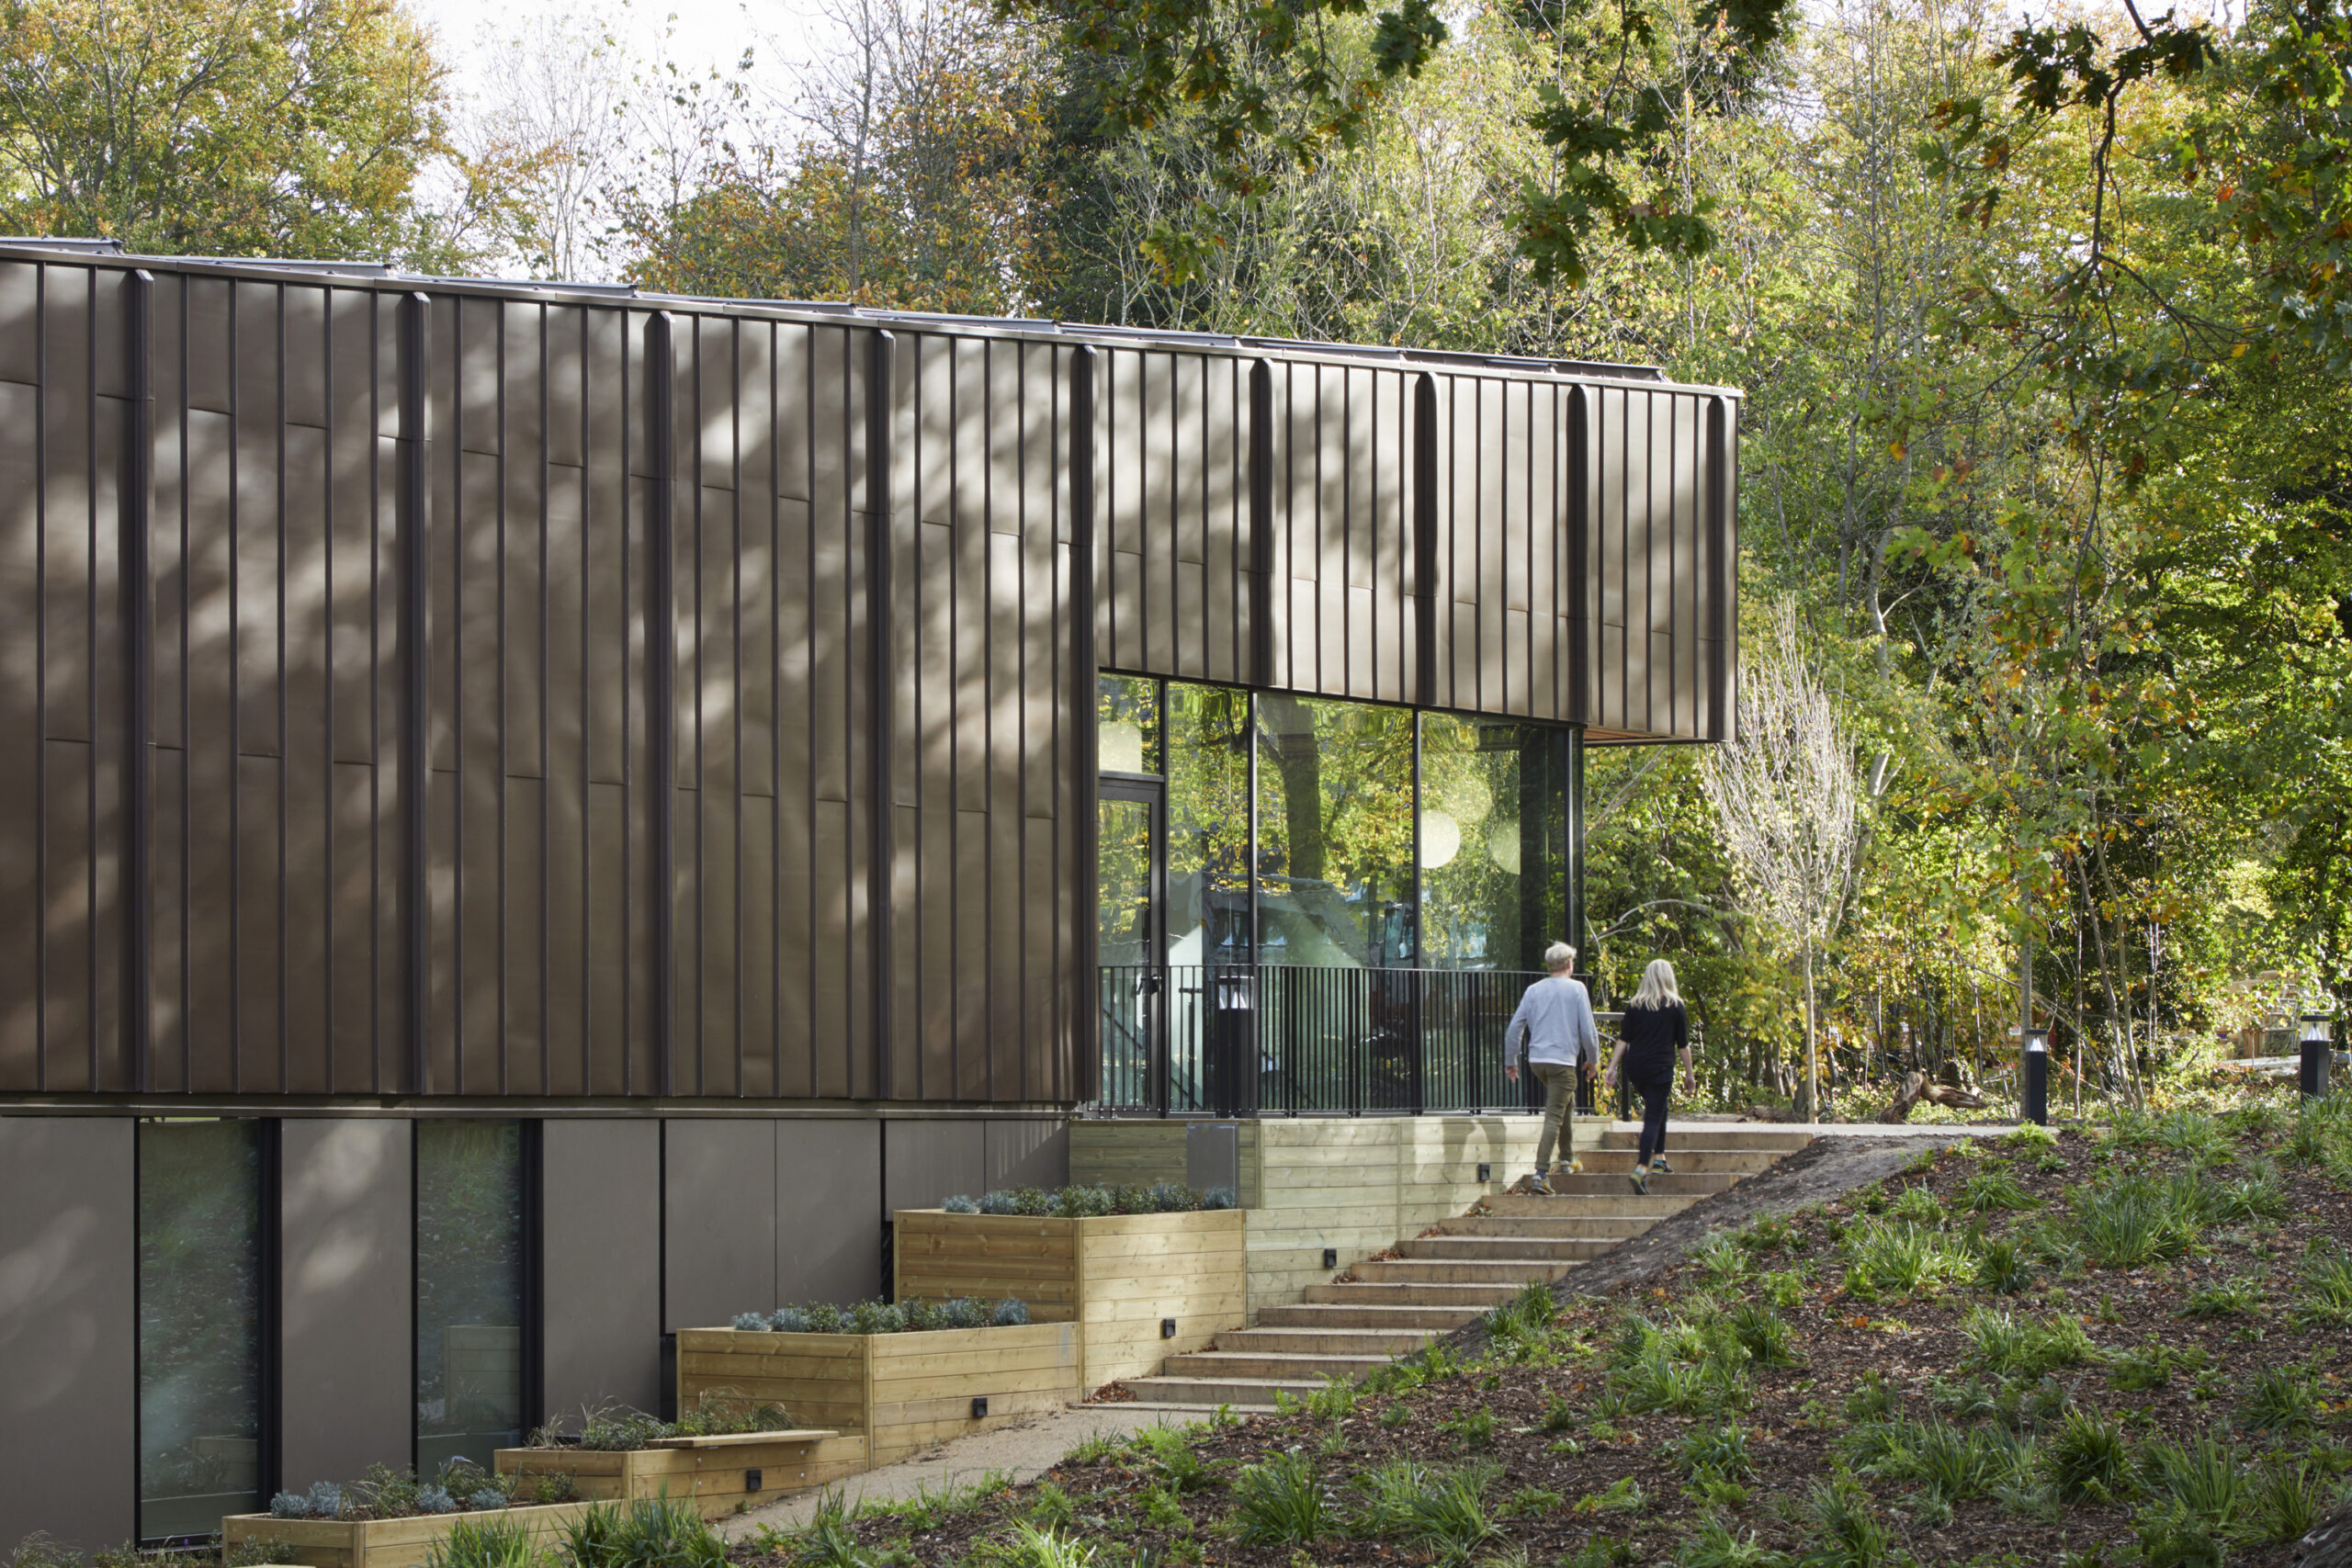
(1657, 986)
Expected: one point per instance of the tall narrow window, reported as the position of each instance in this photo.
(1335, 833)
(469, 1283)
(1208, 825)
(1493, 841)
(200, 1281)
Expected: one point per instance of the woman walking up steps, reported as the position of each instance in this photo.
(1654, 1030)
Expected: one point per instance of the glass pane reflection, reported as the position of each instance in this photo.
(199, 1325)
(468, 1291)
(1335, 833)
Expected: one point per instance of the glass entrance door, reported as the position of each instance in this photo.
(1131, 883)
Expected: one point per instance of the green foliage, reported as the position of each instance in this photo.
(2135, 1220)
(1715, 1544)
(1473, 1428)
(1280, 1501)
(2087, 1460)
(1763, 1334)
(2013, 1347)
(2226, 1298)
(1718, 1449)
(662, 1532)
(2280, 1399)
(1168, 1452)
(1426, 1509)
(485, 1541)
(1992, 1190)
(1843, 1527)
(2151, 1366)
(2324, 1298)
(1521, 1326)
(2001, 1265)
(1898, 1258)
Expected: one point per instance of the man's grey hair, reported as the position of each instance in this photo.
(1559, 956)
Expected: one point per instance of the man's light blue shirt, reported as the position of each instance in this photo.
(1556, 1018)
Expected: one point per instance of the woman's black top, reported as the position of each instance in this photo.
(1652, 1037)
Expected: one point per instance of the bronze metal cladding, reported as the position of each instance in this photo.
(427, 687)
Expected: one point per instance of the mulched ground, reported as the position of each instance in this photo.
(1549, 1434)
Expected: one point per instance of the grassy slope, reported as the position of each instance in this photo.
(2115, 1349)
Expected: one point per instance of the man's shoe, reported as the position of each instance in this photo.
(1659, 1167)
(1538, 1186)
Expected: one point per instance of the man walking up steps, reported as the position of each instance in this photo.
(1555, 1019)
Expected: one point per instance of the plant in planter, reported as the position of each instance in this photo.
(885, 1317)
(1084, 1202)
(725, 1453)
(461, 1486)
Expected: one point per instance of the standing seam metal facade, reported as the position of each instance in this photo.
(429, 688)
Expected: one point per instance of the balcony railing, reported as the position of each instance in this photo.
(1282, 1040)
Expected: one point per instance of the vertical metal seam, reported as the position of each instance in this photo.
(233, 738)
(541, 742)
(285, 732)
(327, 556)
(1716, 478)
(375, 698)
(92, 769)
(660, 692)
(1261, 524)
(880, 690)
(414, 501)
(582, 317)
(1084, 833)
(502, 775)
(1580, 582)
(694, 998)
(735, 650)
(137, 653)
(188, 741)
(1425, 539)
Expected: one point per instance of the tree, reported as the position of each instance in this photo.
(1786, 796)
(292, 127)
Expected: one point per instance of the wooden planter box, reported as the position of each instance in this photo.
(722, 1474)
(384, 1543)
(892, 1393)
(1118, 1277)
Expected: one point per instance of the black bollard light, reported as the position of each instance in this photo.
(2037, 1077)
(2318, 1052)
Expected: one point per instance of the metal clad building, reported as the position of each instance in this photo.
(425, 697)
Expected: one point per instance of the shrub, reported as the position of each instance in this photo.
(1764, 1334)
(1009, 1312)
(2228, 1298)
(2287, 1496)
(490, 1542)
(2326, 1298)
(2204, 1477)
(1168, 1452)
(657, 1532)
(2086, 1459)
(2133, 1221)
(1280, 1501)
(2280, 1399)
(1719, 1451)
(1524, 1323)
(2009, 1346)
(859, 1317)
(1721, 1258)
(960, 1204)
(2002, 1267)
(1899, 1257)
(1918, 1205)
(2151, 1366)
(1427, 1510)
(999, 1203)
(1844, 1527)
(1991, 1189)
(1087, 1201)
(2193, 1133)
(2031, 1138)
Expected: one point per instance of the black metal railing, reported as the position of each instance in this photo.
(1245, 1040)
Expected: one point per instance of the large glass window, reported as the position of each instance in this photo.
(1335, 833)
(1208, 825)
(200, 1276)
(469, 1290)
(1493, 842)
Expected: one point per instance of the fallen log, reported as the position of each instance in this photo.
(1918, 1087)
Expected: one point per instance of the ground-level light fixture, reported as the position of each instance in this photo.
(2318, 1052)
(2036, 1108)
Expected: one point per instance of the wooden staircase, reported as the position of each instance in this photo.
(1435, 1283)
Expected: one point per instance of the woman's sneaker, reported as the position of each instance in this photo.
(1641, 1180)
(1659, 1167)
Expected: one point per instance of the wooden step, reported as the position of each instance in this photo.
(1594, 1229)
(1398, 1292)
(1623, 1204)
(1514, 1270)
(1480, 1248)
(1693, 1162)
(1326, 1339)
(1707, 1135)
(1602, 1186)
(1219, 1366)
(1361, 1315)
(1242, 1394)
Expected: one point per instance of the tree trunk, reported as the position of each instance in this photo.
(1812, 1053)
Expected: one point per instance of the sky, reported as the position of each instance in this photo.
(702, 33)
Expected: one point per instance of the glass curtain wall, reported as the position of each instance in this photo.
(1335, 834)
(470, 1288)
(200, 1294)
(1494, 849)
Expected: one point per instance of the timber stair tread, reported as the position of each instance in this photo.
(1427, 1285)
